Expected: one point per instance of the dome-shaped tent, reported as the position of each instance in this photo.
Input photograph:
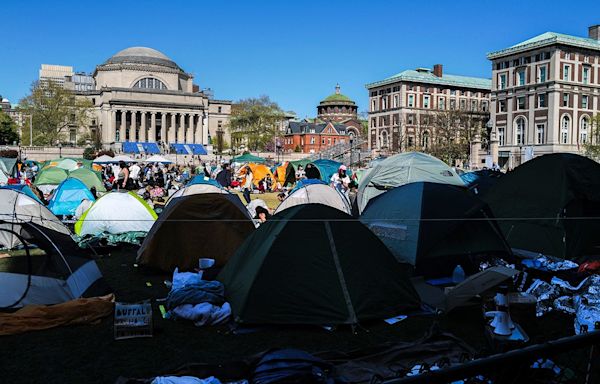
(301, 267)
(67, 197)
(17, 207)
(88, 177)
(197, 185)
(550, 205)
(316, 194)
(210, 225)
(434, 227)
(402, 169)
(60, 273)
(116, 213)
(259, 172)
(50, 176)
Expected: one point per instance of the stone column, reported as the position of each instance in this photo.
(198, 133)
(181, 132)
(172, 128)
(494, 146)
(142, 126)
(204, 129)
(152, 130)
(163, 127)
(475, 149)
(133, 128)
(189, 137)
(123, 127)
(113, 126)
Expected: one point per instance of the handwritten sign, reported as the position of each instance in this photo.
(133, 320)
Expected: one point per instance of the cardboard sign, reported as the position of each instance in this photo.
(133, 320)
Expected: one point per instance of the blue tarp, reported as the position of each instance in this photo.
(68, 196)
(23, 188)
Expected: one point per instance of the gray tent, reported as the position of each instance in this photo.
(316, 194)
(16, 207)
(403, 169)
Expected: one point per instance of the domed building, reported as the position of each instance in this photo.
(143, 101)
(337, 107)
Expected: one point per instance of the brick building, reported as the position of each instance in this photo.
(545, 91)
(401, 107)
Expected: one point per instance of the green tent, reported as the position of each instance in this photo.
(89, 178)
(435, 227)
(67, 163)
(313, 264)
(248, 158)
(51, 176)
(401, 169)
(550, 205)
(7, 164)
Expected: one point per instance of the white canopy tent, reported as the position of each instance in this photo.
(158, 159)
(104, 159)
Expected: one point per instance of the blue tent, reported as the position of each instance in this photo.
(305, 182)
(23, 188)
(68, 196)
(201, 179)
(480, 182)
(328, 167)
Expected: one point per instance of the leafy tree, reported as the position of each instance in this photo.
(297, 149)
(54, 110)
(255, 121)
(592, 147)
(8, 130)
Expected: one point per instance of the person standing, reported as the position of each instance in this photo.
(340, 180)
(134, 173)
(248, 185)
(122, 177)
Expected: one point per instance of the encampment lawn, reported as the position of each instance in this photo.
(89, 354)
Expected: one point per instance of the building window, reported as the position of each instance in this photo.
(72, 135)
(502, 81)
(520, 103)
(501, 136)
(328, 141)
(484, 106)
(411, 141)
(501, 105)
(384, 103)
(395, 119)
(323, 141)
(425, 140)
(541, 133)
(150, 83)
(373, 105)
(565, 99)
(542, 74)
(463, 104)
(586, 75)
(384, 139)
(453, 104)
(520, 131)
(411, 101)
(564, 129)
(584, 102)
(373, 122)
(453, 92)
(566, 72)
(583, 129)
(425, 120)
(441, 103)
(521, 77)
(473, 105)
(220, 109)
(426, 101)
(396, 101)
(410, 119)
(312, 140)
(542, 100)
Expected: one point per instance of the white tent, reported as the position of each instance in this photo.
(158, 159)
(104, 159)
(116, 213)
(196, 189)
(316, 194)
(124, 158)
(3, 178)
(17, 207)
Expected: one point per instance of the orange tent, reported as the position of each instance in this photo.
(259, 171)
(281, 172)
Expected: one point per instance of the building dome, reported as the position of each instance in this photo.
(142, 55)
(337, 97)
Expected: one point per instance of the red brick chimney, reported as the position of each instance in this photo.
(438, 70)
(594, 32)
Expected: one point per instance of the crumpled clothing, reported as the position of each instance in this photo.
(184, 380)
(212, 292)
(203, 314)
(181, 279)
(544, 263)
(545, 294)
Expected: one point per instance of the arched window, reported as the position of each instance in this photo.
(150, 83)
(384, 139)
(583, 129)
(520, 131)
(425, 140)
(565, 125)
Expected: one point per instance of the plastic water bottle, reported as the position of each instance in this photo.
(458, 275)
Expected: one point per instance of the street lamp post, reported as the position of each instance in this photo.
(59, 149)
(351, 149)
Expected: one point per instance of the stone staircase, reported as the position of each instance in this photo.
(345, 153)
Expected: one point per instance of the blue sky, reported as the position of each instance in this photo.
(293, 51)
